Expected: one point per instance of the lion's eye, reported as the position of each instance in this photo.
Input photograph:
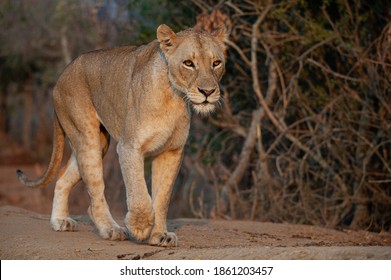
(188, 63)
(216, 63)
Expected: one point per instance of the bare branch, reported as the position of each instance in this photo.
(328, 70)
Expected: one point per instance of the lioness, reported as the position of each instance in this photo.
(140, 96)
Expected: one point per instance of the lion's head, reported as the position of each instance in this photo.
(196, 63)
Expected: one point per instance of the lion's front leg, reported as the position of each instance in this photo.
(140, 216)
(165, 168)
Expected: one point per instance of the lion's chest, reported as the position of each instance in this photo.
(168, 132)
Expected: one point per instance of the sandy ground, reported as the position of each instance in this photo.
(26, 234)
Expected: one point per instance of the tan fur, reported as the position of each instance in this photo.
(141, 97)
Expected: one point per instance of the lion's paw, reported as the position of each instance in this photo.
(140, 234)
(139, 224)
(113, 233)
(107, 228)
(64, 224)
(165, 239)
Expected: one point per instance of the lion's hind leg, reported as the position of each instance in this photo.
(89, 158)
(68, 178)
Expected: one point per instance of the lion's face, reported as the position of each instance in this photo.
(196, 62)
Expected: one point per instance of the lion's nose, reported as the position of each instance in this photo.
(206, 92)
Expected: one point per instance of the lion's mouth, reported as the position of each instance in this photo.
(203, 108)
(205, 102)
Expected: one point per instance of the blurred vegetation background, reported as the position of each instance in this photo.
(303, 134)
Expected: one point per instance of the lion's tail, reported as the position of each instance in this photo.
(55, 161)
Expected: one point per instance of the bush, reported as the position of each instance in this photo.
(304, 133)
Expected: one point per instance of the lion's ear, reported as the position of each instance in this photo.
(166, 37)
(221, 33)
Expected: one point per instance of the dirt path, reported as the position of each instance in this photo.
(26, 234)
